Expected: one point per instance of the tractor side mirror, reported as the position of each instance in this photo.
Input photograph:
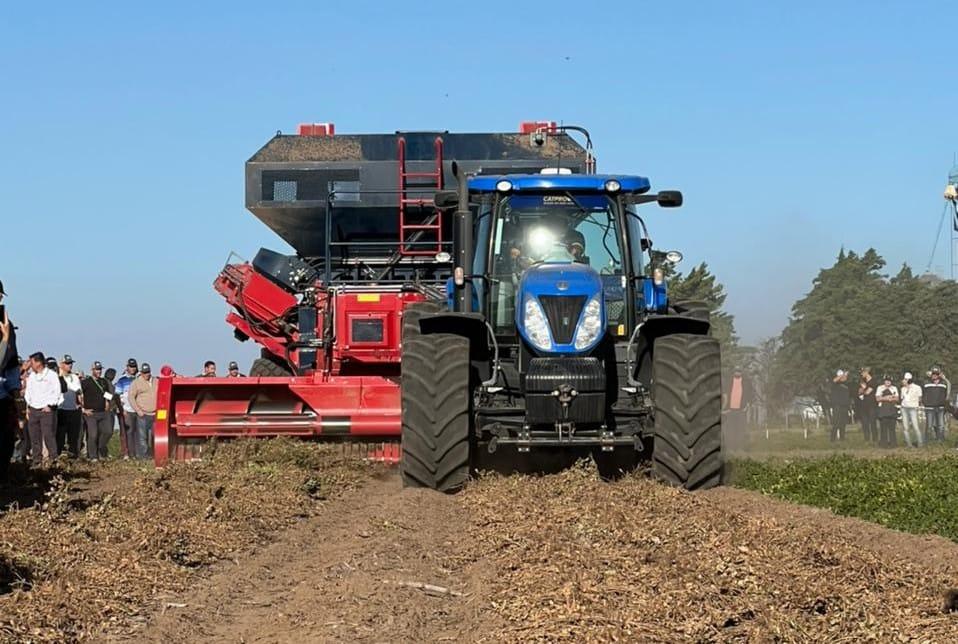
(446, 199)
(669, 198)
(645, 244)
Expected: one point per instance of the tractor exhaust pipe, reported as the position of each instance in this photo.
(462, 233)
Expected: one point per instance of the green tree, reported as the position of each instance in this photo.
(856, 316)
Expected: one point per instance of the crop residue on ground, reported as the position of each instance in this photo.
(580, 560)
(109, 540)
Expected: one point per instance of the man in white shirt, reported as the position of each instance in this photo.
(910, 402)
(42, 395)
(69, 418)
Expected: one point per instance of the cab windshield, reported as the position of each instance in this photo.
(529, 230)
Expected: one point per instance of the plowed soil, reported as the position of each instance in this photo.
(563, 557)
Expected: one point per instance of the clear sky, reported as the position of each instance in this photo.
(792, 128)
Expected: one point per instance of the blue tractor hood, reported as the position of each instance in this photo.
(562, 292)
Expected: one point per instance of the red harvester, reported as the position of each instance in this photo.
(371, 251)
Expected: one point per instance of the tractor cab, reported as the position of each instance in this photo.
(561, 252)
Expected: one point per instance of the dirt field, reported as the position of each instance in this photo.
(563, 557)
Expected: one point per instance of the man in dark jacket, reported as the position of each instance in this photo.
(97, 398)
(841, 400)
(934, 397)
(886, 395)
(868, 408)
(9, 393)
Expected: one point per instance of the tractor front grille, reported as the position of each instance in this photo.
(563, 313)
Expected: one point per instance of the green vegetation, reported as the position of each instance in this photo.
(784, 443)
(913, 495)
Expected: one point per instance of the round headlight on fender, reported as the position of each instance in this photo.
(612, 186)
(503, 185)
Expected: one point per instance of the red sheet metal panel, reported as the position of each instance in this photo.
(335, 408)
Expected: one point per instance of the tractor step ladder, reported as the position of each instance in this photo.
(428, 224)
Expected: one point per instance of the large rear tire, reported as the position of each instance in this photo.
(435, 412)
(687, 398)
(269, 368)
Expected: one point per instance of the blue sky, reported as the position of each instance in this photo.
(793, 129)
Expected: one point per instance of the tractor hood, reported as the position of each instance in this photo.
(560, 308)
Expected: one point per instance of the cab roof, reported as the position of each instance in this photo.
(560, 182)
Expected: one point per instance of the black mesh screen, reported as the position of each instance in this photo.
(303, 185)
(563, 312)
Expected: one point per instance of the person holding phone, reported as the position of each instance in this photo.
(9, 390)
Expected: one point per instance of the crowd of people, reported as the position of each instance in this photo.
(879, 402)
(49, 409)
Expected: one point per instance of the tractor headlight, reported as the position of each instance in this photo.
(536, 326)
(591, 324)
(503, 185)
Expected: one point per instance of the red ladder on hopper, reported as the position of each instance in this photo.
(412, 229)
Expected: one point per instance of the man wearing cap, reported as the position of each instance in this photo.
(97, 395)
(934, 396)
(42, 395)
(127, 414)
(69, 419)
(142, 397)
(910, 402)
(234, 371)
(841, 400)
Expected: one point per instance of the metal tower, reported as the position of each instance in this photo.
(951, 207)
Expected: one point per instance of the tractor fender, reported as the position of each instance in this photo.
(655, 327)
(471, 326)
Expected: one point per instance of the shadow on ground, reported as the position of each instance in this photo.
(26, 487)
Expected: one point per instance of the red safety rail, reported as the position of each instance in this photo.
(430, 224)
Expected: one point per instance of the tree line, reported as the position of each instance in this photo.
(854, 315)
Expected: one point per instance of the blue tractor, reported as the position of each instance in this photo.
(559, 334)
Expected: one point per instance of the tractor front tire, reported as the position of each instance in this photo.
(266, 367)
(411, 315)
(698, 309)
(435, 412)
(687, 398)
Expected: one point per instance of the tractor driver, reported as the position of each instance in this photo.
(575, 244)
